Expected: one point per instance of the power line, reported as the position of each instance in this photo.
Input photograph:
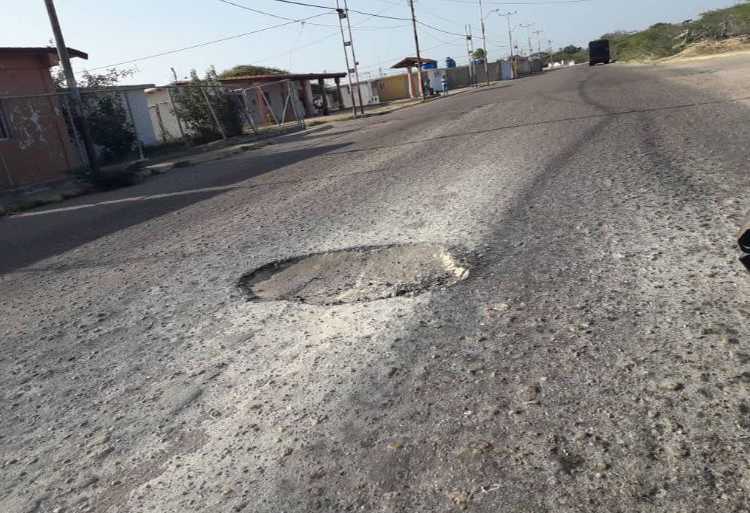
(329, 36)
(305, 4)
(228, 2)
(375, 15)
(456, 43)
(550, 2)
(251, 9)
(199, 45)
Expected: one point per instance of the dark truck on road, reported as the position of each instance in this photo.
(599, 52)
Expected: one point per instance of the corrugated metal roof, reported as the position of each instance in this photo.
(410, 62)
(285, 76)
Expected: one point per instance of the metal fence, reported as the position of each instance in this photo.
(36, 130)
(195, 112)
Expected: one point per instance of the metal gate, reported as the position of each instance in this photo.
(273, 107)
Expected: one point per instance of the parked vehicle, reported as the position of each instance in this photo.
(599, 52)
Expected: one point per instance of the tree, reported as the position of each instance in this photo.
(571, 53)
(572, 49)
(617, 34)
(249, 70)
(190, 105)
(107, 115)
(479, 54)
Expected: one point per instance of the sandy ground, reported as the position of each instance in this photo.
(712, 49)
(594, 359)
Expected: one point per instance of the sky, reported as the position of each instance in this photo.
(112, 31)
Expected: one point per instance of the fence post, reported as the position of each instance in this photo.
(177, 116)
(164, 135)
(295, 105)
(248, 110)
(213, 114)
(135, 128)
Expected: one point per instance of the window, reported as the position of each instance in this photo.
(4, 132)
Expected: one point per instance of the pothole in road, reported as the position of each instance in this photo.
(356, 275)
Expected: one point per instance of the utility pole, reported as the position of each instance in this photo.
(551, 58)
(75, 94)
(470, 51)
(416, 42)
(507, 16)
(539, 42)
(473, 64)
(528, 33)
(484, 42)
(354, 58)
(344, 15)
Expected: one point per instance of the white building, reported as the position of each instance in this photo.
(369, 94)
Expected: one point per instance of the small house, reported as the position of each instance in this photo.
(35, 142)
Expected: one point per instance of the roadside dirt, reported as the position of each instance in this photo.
(708, 49)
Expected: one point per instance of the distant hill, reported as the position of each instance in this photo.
(667, 39)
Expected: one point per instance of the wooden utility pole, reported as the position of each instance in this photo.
(76, 103)
(484, 42)
(419, 55)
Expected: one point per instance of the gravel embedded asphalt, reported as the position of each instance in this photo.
(595, 358)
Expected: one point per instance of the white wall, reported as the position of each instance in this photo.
(160, 97)
(369, 94)
(141, 117)
(435, 78)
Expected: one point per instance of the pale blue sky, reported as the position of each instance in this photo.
(113, 31)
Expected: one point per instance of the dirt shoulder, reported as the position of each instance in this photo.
(711, 49)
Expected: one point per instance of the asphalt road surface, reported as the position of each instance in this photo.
(542, 311)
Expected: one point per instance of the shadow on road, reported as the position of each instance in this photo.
(43, 233)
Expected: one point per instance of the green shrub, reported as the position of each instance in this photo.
(191, 106)
(666, 39)
(107, 115)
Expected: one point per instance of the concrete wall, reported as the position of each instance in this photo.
(38, 147)
(458, 77)
(395, 87)
(369, 94)
(492, 67)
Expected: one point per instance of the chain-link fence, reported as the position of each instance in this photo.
(39, 139)
(201, 113)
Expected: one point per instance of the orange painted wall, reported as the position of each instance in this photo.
(39, 147)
